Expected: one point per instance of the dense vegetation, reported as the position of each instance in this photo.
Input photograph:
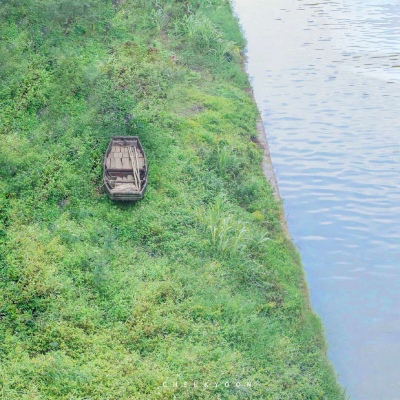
(196, 283)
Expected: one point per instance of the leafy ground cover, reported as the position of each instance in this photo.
(197, 282)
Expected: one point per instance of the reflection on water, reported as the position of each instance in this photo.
(326, 77)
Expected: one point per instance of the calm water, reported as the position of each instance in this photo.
(326, 77)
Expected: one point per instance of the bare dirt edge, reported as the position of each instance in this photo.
(269, 172)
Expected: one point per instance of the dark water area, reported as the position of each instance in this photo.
(326, 77)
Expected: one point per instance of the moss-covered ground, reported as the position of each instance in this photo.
(193, 292)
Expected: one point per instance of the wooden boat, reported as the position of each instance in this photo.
(125, 169)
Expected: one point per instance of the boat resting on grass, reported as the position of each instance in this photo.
(125, 169)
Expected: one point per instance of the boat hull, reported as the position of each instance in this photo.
(125, 169)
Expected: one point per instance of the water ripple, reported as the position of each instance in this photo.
(329, 89)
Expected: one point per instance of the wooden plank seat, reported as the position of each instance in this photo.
(122, 163)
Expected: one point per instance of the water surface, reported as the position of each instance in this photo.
(326, 77)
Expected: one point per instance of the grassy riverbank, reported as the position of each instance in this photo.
(196, 283)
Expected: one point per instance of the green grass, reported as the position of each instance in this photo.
(195, 283)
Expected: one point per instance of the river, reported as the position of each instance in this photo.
(326, 78)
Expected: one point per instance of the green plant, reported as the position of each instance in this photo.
(223, 159)
(159, 18)
(228, 235)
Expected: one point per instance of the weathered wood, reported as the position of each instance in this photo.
(125, 169)
(133, 166)
(137, 167)
(118, 162)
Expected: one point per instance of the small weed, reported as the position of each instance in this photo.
(223, 160)
(159, 18)
(228, 235)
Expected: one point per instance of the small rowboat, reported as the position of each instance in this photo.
(125, 169)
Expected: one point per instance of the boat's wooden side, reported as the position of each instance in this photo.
(125, 169)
